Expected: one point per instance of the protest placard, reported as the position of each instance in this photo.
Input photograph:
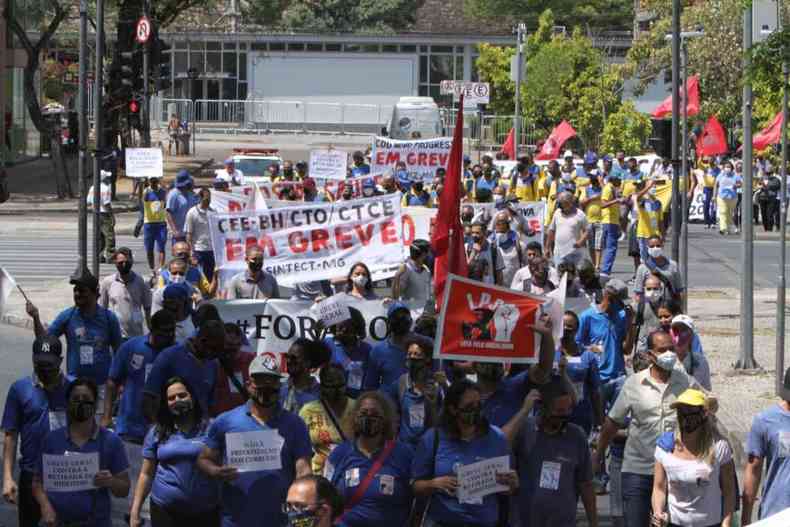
(421, 156)
(254, 451)
(478, 480)
(71, 472)
(332, 187)
(328, 164)
(332, 310)
(486, 323)
(144, 162)
(312, 241)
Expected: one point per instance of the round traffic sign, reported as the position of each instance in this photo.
(143, 30)
(481, 89)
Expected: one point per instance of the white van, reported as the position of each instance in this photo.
(415, 118)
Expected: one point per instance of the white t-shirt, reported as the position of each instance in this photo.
(525, 274)
(567, 231)
(694, 497)
(196, 224)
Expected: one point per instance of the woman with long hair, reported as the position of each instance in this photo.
(694, 480)
(180, 493)
(359, 283)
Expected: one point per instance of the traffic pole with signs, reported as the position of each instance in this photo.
(142, 36)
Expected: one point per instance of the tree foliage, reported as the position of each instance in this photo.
(341, 16)
(608, 13)
(627, 130)
(493, 66)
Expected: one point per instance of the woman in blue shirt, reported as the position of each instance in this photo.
(351, 351)
(726, 194)
(463, 437)
(180, 493)
(83, 438)
(372, 471)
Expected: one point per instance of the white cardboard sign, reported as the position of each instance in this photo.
(328, 164)
(477, 480)
(72, 472)
(144, 163)
(254, 451)
(332, 310)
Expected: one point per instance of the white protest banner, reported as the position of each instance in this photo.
(312, 241)
(144, 162)
(72, 472)
(422, 156)
(232, 201)
(333, 188)
(328, 164)
(697, 206)
(254, 451)
(477, 480)
(332, 310)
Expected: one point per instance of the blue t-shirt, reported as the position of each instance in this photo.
(178, 484)
(179, 204)
(387, 364)
(420, 199)
(359, 171)
(582, 371)
(88, 341)
(355, 362)
(33, 412)
(769, 439)
(130, 367)
(727, 181)
(292, 399)
(610, 391)
(415, 411)
(607, 331)
(78, 506)
(450, 454)
(507, 399)
(387, 500)
(179, 361)
(255, 499)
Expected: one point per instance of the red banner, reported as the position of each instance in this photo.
(553, 145)
(692, 108)
(485, 323)
(713, 141)
(770, 136)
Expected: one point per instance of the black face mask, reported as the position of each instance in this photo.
(255, 266)
(349, 340)
(690, 423)
(288, 172)
(181, 407)
(569, 334)
(471, 416)
(47, 376)
(418, 187)
(266, 397)
(369, 425)
(400, 325)
(417, 369)
(558, 422)
(467, 218)
(161, 342)
(124, 267)
(81, 411)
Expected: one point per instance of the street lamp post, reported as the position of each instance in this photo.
(193, 75)
(782, 287)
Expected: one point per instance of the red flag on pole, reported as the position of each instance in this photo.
(553, 145)
(509, 147)
(448, 233)
(770, 136)
(713, 141)
(692, 108)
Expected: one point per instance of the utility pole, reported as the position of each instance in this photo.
(675, 210)
(781, 289)
(146, 119)
(521, 30)
(82, 167)
(746, 360)
(684, 234)
(98, 130)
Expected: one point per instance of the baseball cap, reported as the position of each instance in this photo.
(85, 280)
(264, 365)
(396, 306)
(684, 320)
(230, 161)
(176, 292)
(47, 349)
(183, 179)
(617, 287)
(689, 398)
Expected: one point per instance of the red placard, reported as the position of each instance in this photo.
(486, 323)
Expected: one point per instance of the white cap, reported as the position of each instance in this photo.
(264, 364)
(105, 173)
(685, 320)
(567, 153)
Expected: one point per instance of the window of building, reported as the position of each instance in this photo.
(212, 46)
(259, 46)
(408, 48)
(389, 48)
(276, 46)
(296, 46)
(333, 47)
(229, 64)
(315, 46)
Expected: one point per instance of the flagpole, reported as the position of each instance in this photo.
(23, 293)
(684, 228)
(675, 203)
(781, 290)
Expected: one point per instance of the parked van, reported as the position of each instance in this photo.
(415, 118)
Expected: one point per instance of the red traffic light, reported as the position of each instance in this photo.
(134, 107)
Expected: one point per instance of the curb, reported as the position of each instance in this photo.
(129, 207)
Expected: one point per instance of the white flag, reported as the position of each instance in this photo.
(7, 284)
(259, 202)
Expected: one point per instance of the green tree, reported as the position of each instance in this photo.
(599, 13)
(349, 16)
(493, 67)
(626, 130)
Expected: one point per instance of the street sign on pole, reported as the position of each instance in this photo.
(143, 30)
(474, 92)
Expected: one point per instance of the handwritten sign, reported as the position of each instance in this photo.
(477, 480)
(254, 451)
(71, 472)
(328, 164)
(144, 163)
(332, 310)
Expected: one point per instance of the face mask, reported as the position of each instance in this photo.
(176, 279)
(124, 267)
(470, 416)
(557, 423)
(47, 376)
(476, 238)
(255, 266)
(181, 407)
(655, 252)
(367, 192)
(369, 425)
(81, 411)
(302, 519)
(653, 295)
(466, 218)
(501, 237)
(288, 171)
(349, 340)
(666, 361)
(400, 325)
(161, 342)
(690, 423)
(360, 280)
(568, 334)
(266, 397)
(418, 187)
(417, 368)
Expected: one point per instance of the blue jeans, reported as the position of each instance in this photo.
(611, 235)
(637, 489)
(708, 212)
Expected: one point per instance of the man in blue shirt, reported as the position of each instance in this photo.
(607, 327)
(35, 405)
(388, 358)
(92, 332)
(179, 201)
(194, 360)
(769, 441)
(359, 168)
(256, 451)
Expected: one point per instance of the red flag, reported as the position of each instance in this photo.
(551, 148)
(770, 136)
(448, 233)
(713, 141)
(692, 108)
(509, 147)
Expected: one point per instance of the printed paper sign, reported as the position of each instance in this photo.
(254, 451)
(332, 310)
(71, 472)
(486, 323)
(479, 479)
(144, 162)
(422, 157)
(328, 164)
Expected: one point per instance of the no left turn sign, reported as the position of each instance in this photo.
(143, 31)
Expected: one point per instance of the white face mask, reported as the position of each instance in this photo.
(666, 361)
(367, 192)
(501, 237)
(653, 295)
(176, 279)
(360, 280)
(655, 252)
(566, 176)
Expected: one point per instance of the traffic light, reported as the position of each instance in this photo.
(134, 107)
(131, 69)
(134, 113)
(160, 61)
